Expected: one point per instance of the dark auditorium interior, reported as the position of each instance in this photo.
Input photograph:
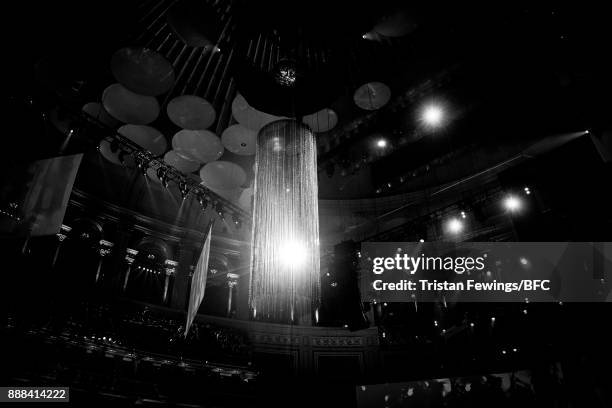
(160, 153)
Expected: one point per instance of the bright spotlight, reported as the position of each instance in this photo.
(454, 226)
(293, 254)
(512, 203)
(433, 115)
(382, 143)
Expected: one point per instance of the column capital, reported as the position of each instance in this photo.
(105, 248)
(63, 234)
(130, 255)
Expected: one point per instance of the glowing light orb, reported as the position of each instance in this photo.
(293, 254)
(512, 203)
(454, 226)
(433, 115)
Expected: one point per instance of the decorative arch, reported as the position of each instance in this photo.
(153, 246)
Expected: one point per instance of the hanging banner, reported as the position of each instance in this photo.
(198, 281)
(34, 196)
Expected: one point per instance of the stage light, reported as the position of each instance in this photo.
(237, 221)
(382, 143)
(370, 35)
(463, 215)
(527, 191)
(203, 202)
(454, 226)
(421, 240)
(512, 203)
(219, 209)
(183, 188)
(162, 175)
(142, 162)
(433, 115)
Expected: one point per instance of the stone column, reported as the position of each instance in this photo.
(129, 258)
(104, 250)
(232, 281)
(117, 259)
(61, 236)
(170, 270)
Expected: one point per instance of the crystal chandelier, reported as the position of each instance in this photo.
(285, 285)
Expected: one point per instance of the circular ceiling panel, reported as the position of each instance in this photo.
(146, 137)
(246, 198)
(222, 175)
(191, 112)
(180, 163)
(142, 70)
(321, 121)
(129, 107)
(201, 146)
(97, 111)
(372, 96)
(239, 140)
(250, 117)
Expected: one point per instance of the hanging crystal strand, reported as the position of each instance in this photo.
(285, 250)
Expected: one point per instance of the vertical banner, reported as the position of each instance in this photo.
(198, 281)
(36, 196)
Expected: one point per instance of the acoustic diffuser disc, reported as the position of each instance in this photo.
(146, 137)
(129, 107)
(142, 71)
(201, 146)
(222, 175)
(372, 96)
(191, 112)
(239, 140)
(180, 163)
(250, 117)
(321, 121)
